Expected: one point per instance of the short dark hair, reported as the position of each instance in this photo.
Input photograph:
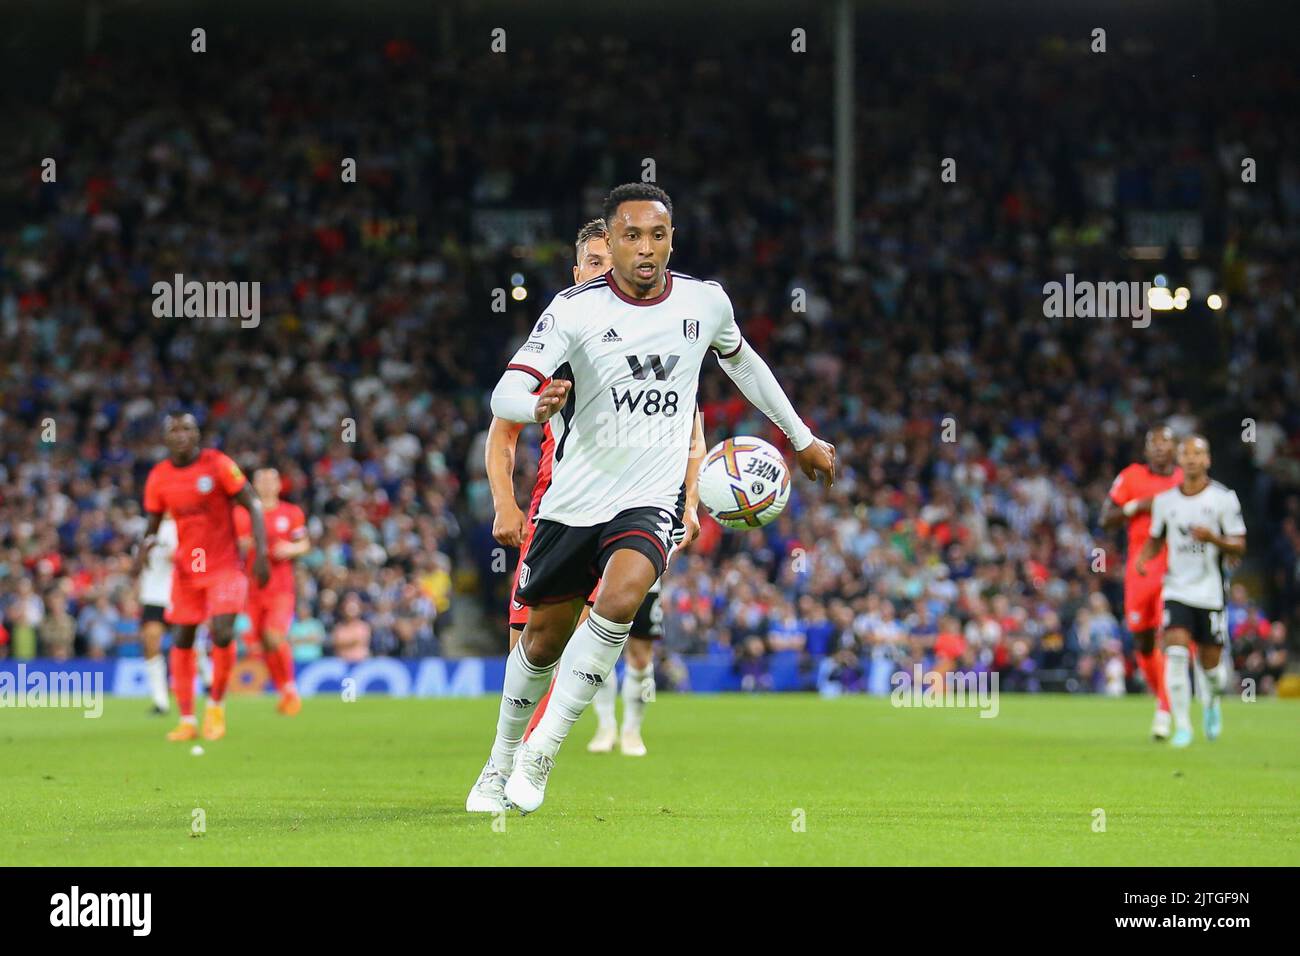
(635, 192)
(596, 229)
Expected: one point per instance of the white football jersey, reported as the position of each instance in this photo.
(623, 438)
(1195, 572)
(156, 578)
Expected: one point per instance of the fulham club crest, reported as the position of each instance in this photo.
(691, 329)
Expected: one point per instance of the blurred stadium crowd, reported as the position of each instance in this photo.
(977, 437)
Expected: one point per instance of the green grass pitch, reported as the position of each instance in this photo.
(729, 780)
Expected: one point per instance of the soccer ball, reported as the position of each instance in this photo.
(744, 483)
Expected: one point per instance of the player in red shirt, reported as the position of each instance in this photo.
(1129, 501)
(270, 608)
(198, 487)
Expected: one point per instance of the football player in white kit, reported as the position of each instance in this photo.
(634, 341)
(1201, 521)
(155, 599)
(512, 526)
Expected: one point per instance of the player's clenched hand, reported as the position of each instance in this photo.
(1200, 533)
(551, 399)
(691, 529)
(261, 570)
(508, 525)
(818, 459)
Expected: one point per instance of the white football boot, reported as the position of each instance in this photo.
(1162, 725)
(631, 743)
(526, 788)
(488, 795)
(604, 740)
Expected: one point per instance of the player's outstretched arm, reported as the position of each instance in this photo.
(499, 460)
(261, 563)
(756, 382)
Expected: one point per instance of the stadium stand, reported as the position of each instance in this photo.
(366, 380)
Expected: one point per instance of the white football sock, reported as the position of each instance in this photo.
(525, 684)
(1178, 686)
(603, 703)
(156, 670)
(1202, 680)
(1217, 676)
(635, 694)
(585, 664)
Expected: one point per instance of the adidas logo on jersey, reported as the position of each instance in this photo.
(611, 336)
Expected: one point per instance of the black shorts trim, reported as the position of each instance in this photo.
(635, 546)
(152, 612)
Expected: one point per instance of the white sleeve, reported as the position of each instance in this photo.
(514, 398)
(1157, 529)
(757, 383)
(1230, 519)
(727, 339)
(755, 380)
